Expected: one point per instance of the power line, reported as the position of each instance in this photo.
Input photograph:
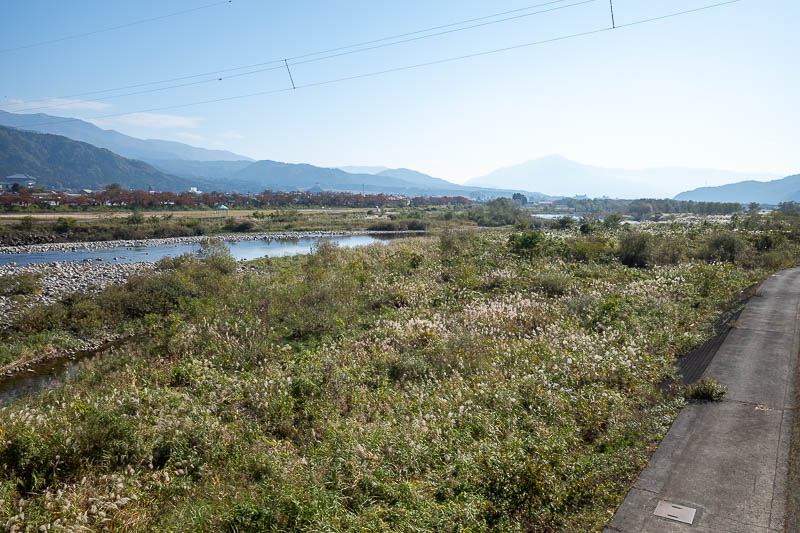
(291, 78)
(331, 56)
(613, 22)
(404, 68)
(112, 28)
(279, 62)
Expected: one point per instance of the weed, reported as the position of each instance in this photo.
(706, 389)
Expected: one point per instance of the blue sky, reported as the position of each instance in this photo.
(713, 89)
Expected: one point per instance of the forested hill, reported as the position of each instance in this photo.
(60, 163)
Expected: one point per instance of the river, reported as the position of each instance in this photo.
(241, 250)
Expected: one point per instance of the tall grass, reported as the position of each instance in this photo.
(445, 383)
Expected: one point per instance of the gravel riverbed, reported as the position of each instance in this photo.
(232, 237)
(58, 279)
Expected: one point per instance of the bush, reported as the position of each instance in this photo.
(669, 251)
(26, 224)
(498, 212)
(707, 389)
(565, 222)
(612, 221)
(724, 246)
(65, 224)
(20, 284)
(135, 218)
(526, 244)
(40, 318)
(551, 283)
(635, 249)
(216, 255)
(239, 226)
(588, 248)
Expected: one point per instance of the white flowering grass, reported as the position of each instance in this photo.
(390, 388)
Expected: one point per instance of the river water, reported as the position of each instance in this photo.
(239, 249)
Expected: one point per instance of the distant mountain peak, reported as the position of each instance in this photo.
(556, 175)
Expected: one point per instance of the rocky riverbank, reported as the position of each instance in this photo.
(58, 279)
(231, 237)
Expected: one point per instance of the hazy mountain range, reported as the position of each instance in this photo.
(60, 163)
(115, 141)
(771, 192)
(169, 165)
(556, 175)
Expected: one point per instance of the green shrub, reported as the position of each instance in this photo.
(724, 246)
(40, 318)
(707, 389)
(526, 244)
(669, 251)
(455, 243)
(635, 249)
(86, 317)
(216, 255)
(26, 224)
(20, 284)
(497, 212)
(612, 221)
(588, 248)
(551, 283)
(565, 222)
(65, 224)
(239, 226)
(135, 218)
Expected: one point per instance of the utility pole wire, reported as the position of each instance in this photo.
(279, 62)
(290, 73)
(400, 69)
(112, 28)
(613, 22)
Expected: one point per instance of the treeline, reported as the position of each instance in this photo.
(644, 208)
(188, 200)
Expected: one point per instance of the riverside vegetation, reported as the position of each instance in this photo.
(136, 225)
(494, 381)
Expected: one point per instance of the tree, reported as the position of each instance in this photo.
(612, 221)
(519, 198)
(113, 187)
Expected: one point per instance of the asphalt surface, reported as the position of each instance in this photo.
(729, 460)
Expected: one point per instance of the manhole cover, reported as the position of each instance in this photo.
(672, 511)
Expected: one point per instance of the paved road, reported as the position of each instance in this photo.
(729, 460)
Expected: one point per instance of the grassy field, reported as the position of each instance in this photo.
(501, 381)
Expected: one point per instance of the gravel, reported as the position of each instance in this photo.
(233, 237)
(59, 279)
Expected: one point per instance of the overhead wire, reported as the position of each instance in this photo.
(296, 59)
(112, 28)
(404, 68)
(316, 59)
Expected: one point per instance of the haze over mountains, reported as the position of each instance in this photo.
(119, 143)
(771, 192)
(59, 162)
(169, 165)
(556, 175)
